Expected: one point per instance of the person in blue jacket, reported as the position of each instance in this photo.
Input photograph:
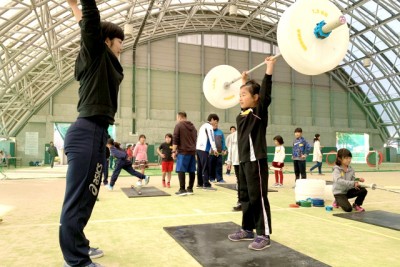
(123, 162)
(301, 149)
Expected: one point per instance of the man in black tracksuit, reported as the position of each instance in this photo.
(99, 73)
(253, 169)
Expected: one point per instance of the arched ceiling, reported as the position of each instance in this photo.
(39, 40)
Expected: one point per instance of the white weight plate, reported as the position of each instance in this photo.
(297, 43)
(214, 87)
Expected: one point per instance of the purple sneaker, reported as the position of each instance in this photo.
(260, 242)
(241, 235)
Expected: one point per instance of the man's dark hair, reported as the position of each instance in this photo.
(182, 114)
(213, 117)
(111, 31)
(298, 130)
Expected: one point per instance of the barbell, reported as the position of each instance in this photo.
(312, 37)
(375, 186)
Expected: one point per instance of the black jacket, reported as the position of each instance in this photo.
(253, 123)
(97, 69)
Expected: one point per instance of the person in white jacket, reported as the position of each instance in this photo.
(279, 159)
(233, 160)
(205, 143)
(317, 155)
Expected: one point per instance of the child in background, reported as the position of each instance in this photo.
(122, 162)
(233, 160)
(140, 154)
(317, 155)
(167, 164)
(228, 143)
(129, 152)
(301, 149)
(345, 183)
(278, 161)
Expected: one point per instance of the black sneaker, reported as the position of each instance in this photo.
(238, 207)
(209, 188)
(95, 253)
(189, 191)
(181, 192)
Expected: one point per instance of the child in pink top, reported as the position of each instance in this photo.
(140, 154)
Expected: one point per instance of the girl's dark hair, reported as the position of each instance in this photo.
(142, 135)
(232, 127)
(117, 145)
(252, 86)
(170, 136)
(342, 153)
(279, 139)
(111, 31)
(110, 141)
(316, 137)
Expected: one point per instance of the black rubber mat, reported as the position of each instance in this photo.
(376, 217)
(147, 191)
(233, 187)
(210, 246)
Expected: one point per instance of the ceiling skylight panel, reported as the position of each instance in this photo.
(383, 13)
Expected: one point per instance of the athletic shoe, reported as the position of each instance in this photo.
(358, 208)
(275, 185)
(169, 185)
(110, 187)
(189, 191)
(209, 188)
(199, 186)
(238, 207)
(241, 235)
(221, 182)
(260, 242)
(163, 183)
(281, 185)
(139, 183)
(146, 180)
(93, 264)
(311, 172)
(335, 204)
(212, 181)
(95, 253)
(181, 192)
